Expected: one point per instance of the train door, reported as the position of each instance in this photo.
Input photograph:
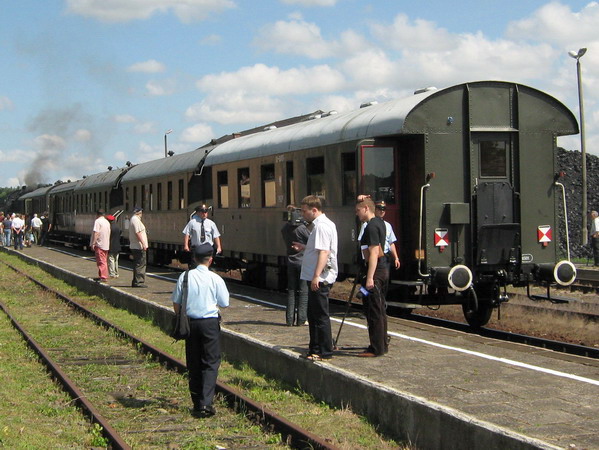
(496, 219)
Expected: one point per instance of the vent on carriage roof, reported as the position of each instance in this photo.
(364, 105)
(330, 113)
(426, 89)
(271, 127)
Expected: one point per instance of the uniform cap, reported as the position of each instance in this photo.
(203, 250)
(202, 208)
(137, 209)
(380, 205)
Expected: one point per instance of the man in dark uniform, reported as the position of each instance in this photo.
(206, 291)
(377, 276)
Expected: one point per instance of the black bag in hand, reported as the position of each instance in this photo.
(181, 327)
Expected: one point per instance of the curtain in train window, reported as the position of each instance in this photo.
(243, 176)
(290, 184)
(378, 173)
(222, 178)
(315, 176)
(181, 195)
(269, 194)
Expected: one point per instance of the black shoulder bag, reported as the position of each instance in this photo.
(181, 328)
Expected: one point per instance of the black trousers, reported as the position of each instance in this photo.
(375, 306)
(139, 267)
(319, 321)
(595, 245)
(202, 352)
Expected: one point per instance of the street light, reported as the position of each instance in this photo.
(169, 131)
(577, 55)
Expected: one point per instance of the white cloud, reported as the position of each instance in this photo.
(199, 133)
(310, 2)
(160, 88)
(421, 35)
(145, 128)
(16, 155)
(557, 23)
(294, 37)
(260, 78)
(237, 107)
(126, 10)
(124, 118)
(6, 103)
(150, 66)
(211, 39)
(13, 182)
(82, 135)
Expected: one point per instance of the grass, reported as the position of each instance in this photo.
(34, 411)
(346, 429)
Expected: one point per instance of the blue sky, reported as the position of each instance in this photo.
(88, 84)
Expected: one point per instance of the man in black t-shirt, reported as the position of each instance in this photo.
(377, 276)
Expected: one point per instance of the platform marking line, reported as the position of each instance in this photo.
(456, 349)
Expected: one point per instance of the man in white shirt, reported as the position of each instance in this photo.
(200, 230)
(319, 270)
(36, 227)
(100, 243)
(138, 243)
(206, 292)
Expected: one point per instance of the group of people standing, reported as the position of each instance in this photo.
(17, 230)
(312, 270)
(106, 244)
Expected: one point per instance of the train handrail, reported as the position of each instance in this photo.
(422, 189)
(557, 183)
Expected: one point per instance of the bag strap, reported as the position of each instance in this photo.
(185, 289)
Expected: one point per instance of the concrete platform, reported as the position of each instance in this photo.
(436, 388)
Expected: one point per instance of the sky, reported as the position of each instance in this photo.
(87, 84)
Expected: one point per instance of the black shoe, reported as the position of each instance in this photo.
(204, 411)
(139, 285)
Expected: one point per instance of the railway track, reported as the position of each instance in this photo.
(291, 434)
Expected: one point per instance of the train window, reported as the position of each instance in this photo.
(127, 198)
(143, 196)
(135, 204)
(169, 195)
(222, 178)
(159, 196)
(151, 197)
(315, 176)
(290, 184)
(378, 173)
(348, 161)
(243, 175)
(106, 205)
(181, 195)
(493, 158)
(269, 195)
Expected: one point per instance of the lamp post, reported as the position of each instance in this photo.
(169, 131)
(577, 55)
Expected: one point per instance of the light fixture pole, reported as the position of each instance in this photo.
(577, 55)
(169, 131)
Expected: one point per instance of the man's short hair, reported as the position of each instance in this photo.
(313, 201)
(100, 212)
(366, 201)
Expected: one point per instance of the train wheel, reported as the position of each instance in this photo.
(477, 318)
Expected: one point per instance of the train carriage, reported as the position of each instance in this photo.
(468, 174)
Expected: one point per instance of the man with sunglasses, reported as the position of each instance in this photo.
(201, 230)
